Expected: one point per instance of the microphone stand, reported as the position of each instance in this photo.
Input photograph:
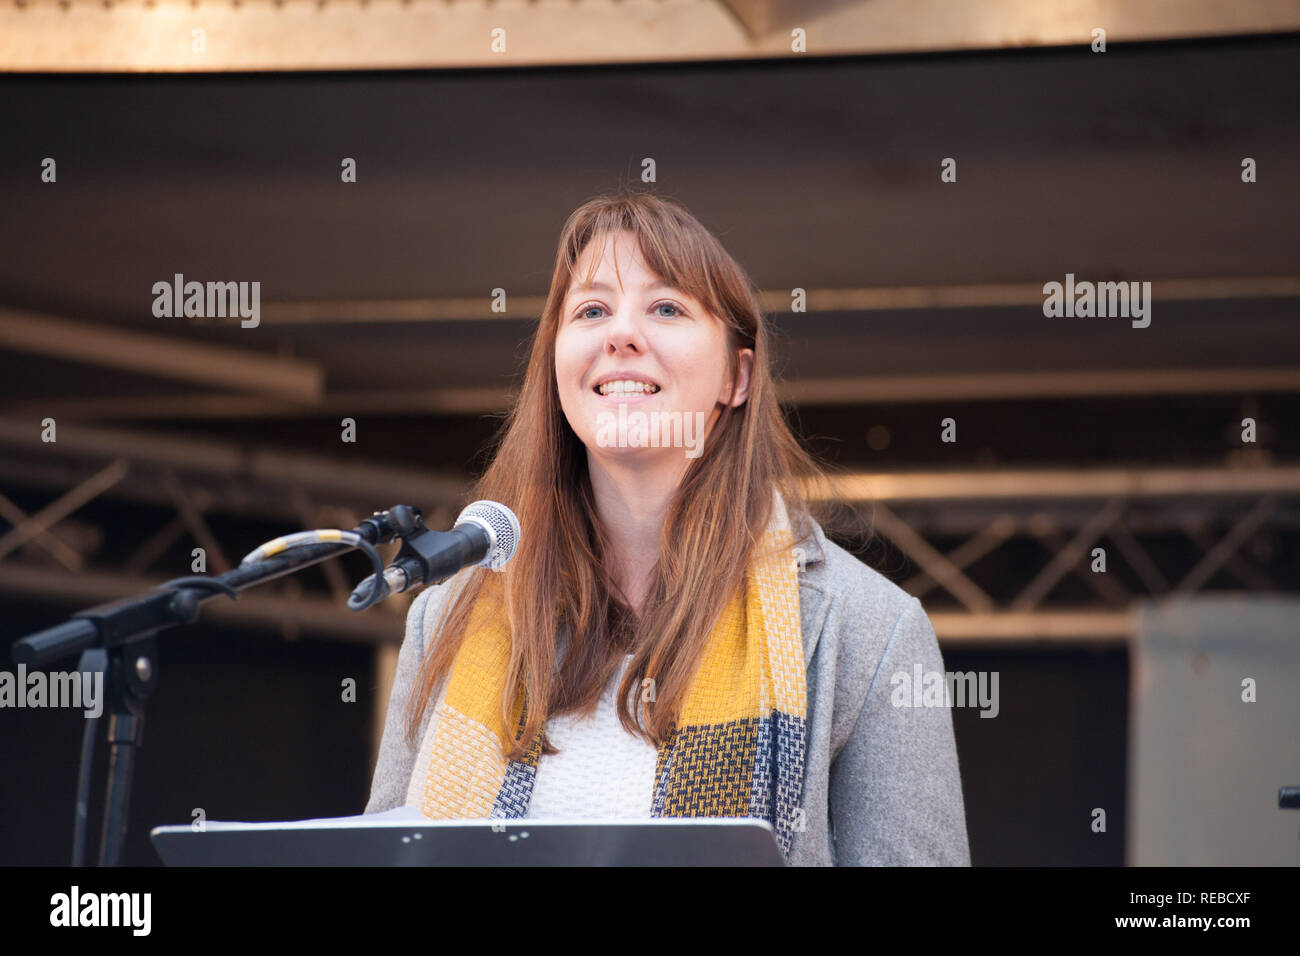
(117, 639)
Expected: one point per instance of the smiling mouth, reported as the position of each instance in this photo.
(625, 389)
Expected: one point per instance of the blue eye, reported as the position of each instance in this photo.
(585, 312)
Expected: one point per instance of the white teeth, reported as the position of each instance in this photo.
(627, 387)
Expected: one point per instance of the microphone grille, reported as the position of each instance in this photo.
(502, 526)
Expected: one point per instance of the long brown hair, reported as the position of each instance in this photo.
(558, 578)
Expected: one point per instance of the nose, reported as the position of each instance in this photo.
(624, 332)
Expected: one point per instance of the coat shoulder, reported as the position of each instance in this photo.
(849, 581)
(863, 609)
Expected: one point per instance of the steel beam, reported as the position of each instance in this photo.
(1049, 483)
(201, 363)
(255, 467)
(1036, 627)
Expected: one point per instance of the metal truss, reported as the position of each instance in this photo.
(194, 479)
(1068, 514)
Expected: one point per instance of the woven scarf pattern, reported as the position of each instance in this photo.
(736, 749)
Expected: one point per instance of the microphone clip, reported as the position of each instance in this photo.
(399, 521)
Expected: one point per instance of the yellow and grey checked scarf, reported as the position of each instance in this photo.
(736, 750)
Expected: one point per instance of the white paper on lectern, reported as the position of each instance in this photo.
(411, 816)
(398, 816)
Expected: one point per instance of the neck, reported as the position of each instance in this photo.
(632, 501)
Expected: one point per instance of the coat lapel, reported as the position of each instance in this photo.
(813, 603)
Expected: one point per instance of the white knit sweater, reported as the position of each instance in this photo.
(601, 769)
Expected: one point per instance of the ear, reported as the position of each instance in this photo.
(741, 391)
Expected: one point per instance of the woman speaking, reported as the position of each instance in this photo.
(675, 636)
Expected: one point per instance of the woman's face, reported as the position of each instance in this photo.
(642, 369)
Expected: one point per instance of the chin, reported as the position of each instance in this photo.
(630, 455)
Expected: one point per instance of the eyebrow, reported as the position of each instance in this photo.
(606, 287)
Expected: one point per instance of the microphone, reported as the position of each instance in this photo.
(486, 534)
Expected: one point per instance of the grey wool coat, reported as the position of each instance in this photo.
(881, 784)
